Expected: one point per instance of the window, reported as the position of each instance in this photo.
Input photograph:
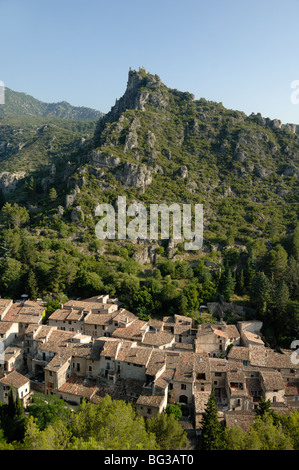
(149, 411)
(183, 386)
(218, 374)
(201, 376)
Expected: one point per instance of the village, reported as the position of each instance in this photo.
(93, 347)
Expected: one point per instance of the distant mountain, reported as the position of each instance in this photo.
(20, 104)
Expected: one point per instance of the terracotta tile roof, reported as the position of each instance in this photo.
(110, 348)
(239, 353)
(12, 314)
(155, 323)
(150, 400)
(4, 305)
(272, 380)
(291, 388)
(59, 342)
(265, 357)
(242, 419)
(217, 364)
(57, 361)
(200, 401)
(253, 337)
(181, 329)
(90, 305)
(98, 319)
(124, 316)
(79, 386)
(25, 313)
(184, 368)
(182, 319)
(5, 326)
(232, 331)
(156, 362)
(42, 332)
(158, 339)
(134, 355)
(14, 379)
(12, 351)
(5, 302)
(133, 332)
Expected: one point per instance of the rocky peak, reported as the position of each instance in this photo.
(142, 87)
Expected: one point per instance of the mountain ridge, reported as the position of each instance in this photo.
(19, 103)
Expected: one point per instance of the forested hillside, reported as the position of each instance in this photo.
(155, 145)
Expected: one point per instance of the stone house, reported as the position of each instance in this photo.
(20, 384)
(8, 332)
(148, 405)
(236, 390)
(214, 339)
(13, 359)
(272, 385)
(291, 393)
(68, 319)
(25, 314)
(5, 305)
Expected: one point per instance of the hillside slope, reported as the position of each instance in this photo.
(20, 104)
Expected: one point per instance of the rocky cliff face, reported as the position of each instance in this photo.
(153, 130)
(142, 88)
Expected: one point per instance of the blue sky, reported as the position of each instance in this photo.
(244, 53)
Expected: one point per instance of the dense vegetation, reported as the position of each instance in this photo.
(48, 424)
(52, 267)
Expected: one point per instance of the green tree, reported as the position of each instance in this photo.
(31, 284)
(290, 426)
(52, 194)
(295, 242)
(211, 429)
(54, 437)
(174, 409)
(169, 433)
(111, 423)
(89, 283)
(11, 277)
(14, 215)
(260, 292)
(228, 285)
(268, 435)
(276, 262)
(47, 410)
(263, 407)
